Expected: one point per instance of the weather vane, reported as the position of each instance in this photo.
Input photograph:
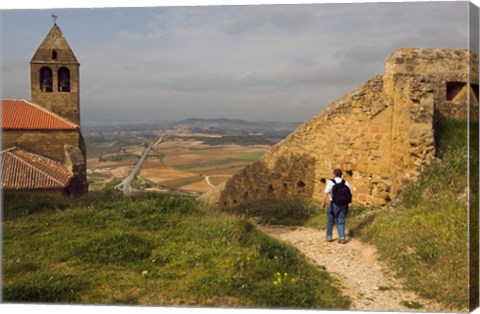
(54, 17)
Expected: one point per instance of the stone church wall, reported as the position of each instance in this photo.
(46, 143)
(67, 147)
(380, 134)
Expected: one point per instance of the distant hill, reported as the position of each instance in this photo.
(122, 126)
(270, 130)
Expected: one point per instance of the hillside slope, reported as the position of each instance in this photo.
(151, 249)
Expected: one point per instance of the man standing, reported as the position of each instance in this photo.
(340, 196)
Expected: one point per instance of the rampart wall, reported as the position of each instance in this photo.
(380, 134)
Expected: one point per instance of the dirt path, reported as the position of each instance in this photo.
(368, 283)
(207, 179)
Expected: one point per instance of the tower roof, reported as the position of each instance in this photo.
(54, 41)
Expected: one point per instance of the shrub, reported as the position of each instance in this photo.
(117, 249)
(48, 288)
(293, 211)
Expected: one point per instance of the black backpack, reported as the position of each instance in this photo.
(341, 194)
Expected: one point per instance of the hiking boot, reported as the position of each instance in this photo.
(329, 239)
(342, 241)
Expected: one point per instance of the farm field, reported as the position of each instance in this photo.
(182, 162)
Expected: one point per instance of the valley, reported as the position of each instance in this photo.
(195, 156)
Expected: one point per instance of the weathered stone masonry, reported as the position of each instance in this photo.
(48, 143)
(380, 134)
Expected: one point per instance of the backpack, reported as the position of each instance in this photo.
(341, 194)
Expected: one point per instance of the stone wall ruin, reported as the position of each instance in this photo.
(380, 134)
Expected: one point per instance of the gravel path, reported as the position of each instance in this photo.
(368, 282)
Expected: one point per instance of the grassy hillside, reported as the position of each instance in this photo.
(151, 249)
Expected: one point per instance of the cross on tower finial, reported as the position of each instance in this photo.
(54, 17)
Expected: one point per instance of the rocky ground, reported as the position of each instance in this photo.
(369, 283)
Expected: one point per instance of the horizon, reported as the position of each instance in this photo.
(153, 122)
(255, 63)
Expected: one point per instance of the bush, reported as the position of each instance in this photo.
(18, 204)
(48, 288)
(293, 211)
(21, 204)
(118, 249)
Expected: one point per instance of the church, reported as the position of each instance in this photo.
(43, 149)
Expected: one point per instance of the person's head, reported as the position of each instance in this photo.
(337, 173)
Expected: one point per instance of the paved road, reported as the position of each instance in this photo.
(125, 184)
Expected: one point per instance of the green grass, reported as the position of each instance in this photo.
(119, 249)
(412, 305)
(252, 157)
(121, 156)
(142, 183)
(151, 249)
(46, 288)
(205, 164)
(473, 217)
(243, 140)
(97, 177)
(248, 157)
(359, 217)
(293, 211)
(186, 182)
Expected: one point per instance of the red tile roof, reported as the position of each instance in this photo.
(19, 114)
(22, 170)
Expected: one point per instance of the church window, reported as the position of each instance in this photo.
(54, 54)
(46, 79)
(63, 80)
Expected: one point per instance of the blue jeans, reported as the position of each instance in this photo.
(338, 214)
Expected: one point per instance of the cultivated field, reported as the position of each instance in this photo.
(183, 162)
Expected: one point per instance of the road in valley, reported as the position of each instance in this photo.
(125, 184)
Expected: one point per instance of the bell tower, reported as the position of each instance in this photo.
(54, 76)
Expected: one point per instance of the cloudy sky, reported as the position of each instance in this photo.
(260, 62)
